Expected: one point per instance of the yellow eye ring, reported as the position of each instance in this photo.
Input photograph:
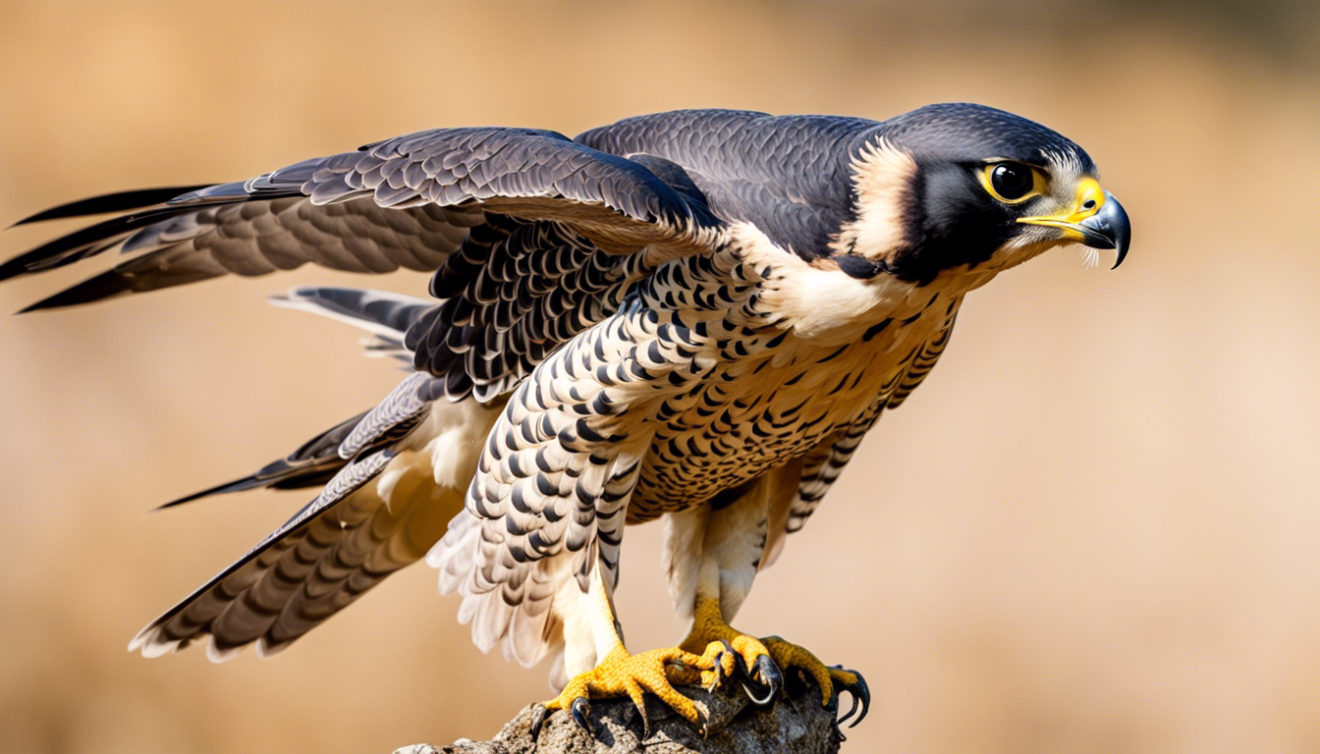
(1012, 182)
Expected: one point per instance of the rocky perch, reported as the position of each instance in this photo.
(796, 723)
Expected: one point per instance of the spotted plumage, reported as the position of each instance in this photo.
(692, 316)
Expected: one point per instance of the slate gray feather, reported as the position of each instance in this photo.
(692, 316)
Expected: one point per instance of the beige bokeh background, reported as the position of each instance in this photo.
(1096, 528)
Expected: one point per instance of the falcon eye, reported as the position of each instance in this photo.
(1009, 182)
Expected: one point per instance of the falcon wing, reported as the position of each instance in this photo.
(314, 463)
(405, 202)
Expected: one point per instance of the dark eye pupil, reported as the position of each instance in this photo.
(1011, 181)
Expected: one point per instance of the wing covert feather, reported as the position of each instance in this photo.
(406, 202)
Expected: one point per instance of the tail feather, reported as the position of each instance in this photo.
(239, 604)
(385, 314)
(383, 509)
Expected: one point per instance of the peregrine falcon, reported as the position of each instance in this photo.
(691, 316)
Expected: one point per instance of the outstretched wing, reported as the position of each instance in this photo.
(533, 237)
(406, 202)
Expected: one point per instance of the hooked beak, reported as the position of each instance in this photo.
(1097, 220)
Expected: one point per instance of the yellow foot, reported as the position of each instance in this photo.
(764, 660)
(621, 674)
(831, 680)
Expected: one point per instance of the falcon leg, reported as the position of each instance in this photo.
(764, 658)
(713, 555)
(621, 674)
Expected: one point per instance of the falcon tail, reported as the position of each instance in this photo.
(397, 476)
(393, 478)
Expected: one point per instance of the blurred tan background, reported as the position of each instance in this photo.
(1094, 529)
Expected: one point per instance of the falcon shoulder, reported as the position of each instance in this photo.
(789, 175)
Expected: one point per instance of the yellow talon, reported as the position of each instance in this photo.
(765, 659)
(831, 680)
(788, 655)
(621, 674)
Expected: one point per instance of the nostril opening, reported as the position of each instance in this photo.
(1088, 204)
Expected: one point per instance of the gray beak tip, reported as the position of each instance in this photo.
(1109, 229)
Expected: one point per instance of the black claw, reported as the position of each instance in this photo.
(538, 719)
(768, 680)
(861, 695)
(851, 710)
(769, 674)
(582, 715)
(719, 664)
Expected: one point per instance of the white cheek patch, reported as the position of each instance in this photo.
(882, 178)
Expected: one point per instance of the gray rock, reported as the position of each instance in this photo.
(796, 723)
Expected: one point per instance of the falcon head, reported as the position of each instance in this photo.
(961, 187)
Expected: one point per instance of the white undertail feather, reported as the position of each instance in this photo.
(560, 626)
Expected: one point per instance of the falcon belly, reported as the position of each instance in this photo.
(693, 316)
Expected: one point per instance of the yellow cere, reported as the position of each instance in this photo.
(1090, 198)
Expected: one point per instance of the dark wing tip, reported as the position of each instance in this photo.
(13, 268)
(118, 202)
(105, 285)
(233, 486)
